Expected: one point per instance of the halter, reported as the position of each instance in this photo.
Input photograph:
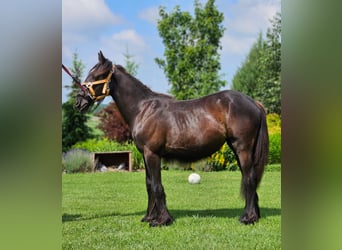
(105, 90)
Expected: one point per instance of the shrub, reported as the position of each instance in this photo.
(176, 165)
(223, 159)
(113, 124)
(77, 160)
(274, 148)
(105, 145)
(273, 168)
(273, 123)
(138, 161)
(95, 145)
(274, 130)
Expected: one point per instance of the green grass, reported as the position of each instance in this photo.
(103, 211)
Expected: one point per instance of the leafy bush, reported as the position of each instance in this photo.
(77, 160)
(106, 145)
(274, 130)
(176, 165)
(113, 124)
(273, 168)
(273, 123)
(274, 148)
(95, 145)
(223, 159)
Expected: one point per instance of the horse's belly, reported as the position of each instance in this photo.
(196, 145)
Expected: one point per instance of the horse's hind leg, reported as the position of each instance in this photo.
(249, 184)
(150, 205)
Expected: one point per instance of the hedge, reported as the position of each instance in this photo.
(274, 148)
(224, 159)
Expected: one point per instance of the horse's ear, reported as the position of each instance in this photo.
(102, 59)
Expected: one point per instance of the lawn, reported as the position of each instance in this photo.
(103, 211)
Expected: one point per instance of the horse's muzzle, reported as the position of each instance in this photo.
(83, 102)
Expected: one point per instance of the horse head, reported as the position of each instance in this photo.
(96, 83)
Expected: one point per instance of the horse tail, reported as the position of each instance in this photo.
(261, 149)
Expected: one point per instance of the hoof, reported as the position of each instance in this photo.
(245, 219)
(146, 219)
(155, 223)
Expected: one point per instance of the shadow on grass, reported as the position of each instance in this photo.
(179, 213)
(224, 212)
(70, 217)
(80, 217)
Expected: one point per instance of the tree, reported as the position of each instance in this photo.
(111, 121)
(191, 61)
(130, 65)
(113, 124)
(269, 93)
(259, 76)
(74, 123)
(246, 78)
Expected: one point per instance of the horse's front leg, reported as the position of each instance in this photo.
(158, 213)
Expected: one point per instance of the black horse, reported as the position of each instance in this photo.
(163, 127)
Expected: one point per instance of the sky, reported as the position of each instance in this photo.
(116, 27)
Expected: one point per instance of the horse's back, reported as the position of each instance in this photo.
(193, 129)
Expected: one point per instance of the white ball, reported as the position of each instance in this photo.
(194, 178)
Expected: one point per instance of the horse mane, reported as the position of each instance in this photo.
(146, 89)
(122, 69)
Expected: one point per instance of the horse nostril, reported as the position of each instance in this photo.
(76, 104)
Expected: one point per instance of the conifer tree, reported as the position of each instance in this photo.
(74, 123)
(259, 75)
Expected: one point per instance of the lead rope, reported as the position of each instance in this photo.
(74, 78)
